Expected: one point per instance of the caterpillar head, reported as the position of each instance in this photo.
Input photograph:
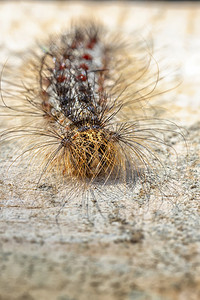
(91, 152)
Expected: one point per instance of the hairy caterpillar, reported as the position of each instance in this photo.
(80, 113)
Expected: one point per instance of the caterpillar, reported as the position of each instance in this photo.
(81, 112)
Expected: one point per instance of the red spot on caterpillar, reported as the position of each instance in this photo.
(84, 67)
(81, 77)
(62, 66)
(87, 56)
(91, 43)
(61, 78)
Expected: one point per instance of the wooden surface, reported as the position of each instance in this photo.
(155, 253)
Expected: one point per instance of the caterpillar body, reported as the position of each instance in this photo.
(81, 105)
